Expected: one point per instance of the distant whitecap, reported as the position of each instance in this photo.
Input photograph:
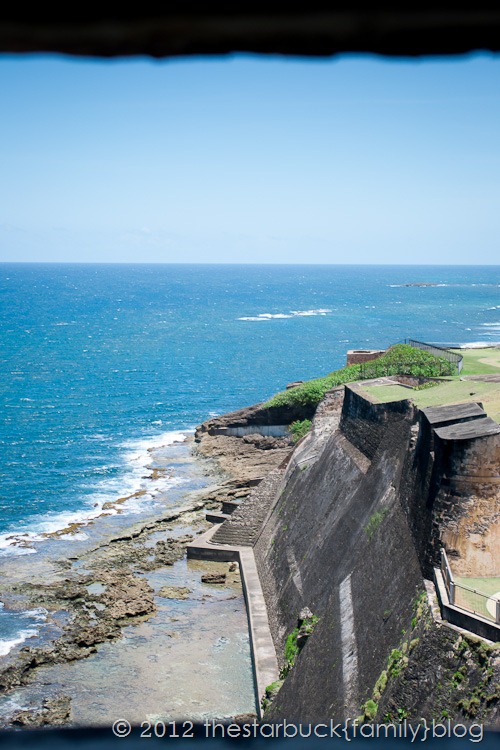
(290, 314)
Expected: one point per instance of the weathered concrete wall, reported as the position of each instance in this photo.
(466, 509)
(257, 416)
(348, 526)
(337, 541)
(349, 536)
(365, 422)
(450, 490)
(358, 356)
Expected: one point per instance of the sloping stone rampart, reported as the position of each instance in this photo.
(334, 521)
(347, 527)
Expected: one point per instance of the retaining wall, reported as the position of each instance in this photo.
(348, 531)
(336, 541)
(358, 356)
(365, 422)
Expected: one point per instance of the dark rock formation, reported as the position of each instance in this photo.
(170, 550)
(213, 578)
(257, 416)
(54, 711)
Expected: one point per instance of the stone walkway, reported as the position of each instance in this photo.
(265, 663)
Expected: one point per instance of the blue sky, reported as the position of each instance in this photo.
(246, 159)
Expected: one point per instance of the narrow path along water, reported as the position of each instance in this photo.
(189, 659)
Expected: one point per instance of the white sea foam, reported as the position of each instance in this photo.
(10, 543)
(8, 645)
(321, 311)
(134, 485)
(491, 328)
(477, 345)
(38, 615)
(423, 285)
(257, 318)
(290, 314)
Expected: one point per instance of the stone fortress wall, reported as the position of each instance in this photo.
(351, 528)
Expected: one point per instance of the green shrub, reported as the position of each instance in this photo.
(401, 359)
(404, 359)
(270, 694)
(291, 651)
(469, 706)
(395, 663)
(311, 393)
(425, 386)
(293, 645)
(299, 429)
(380, 686)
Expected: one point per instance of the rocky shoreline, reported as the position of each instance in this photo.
(93, 596)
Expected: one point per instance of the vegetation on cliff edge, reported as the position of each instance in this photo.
(401, 359)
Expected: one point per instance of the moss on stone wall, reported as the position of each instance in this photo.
(438, 673)
(294, 644)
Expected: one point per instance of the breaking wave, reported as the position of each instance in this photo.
(290, 314)
(127, 493)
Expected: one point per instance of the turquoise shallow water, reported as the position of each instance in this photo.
(99, 363)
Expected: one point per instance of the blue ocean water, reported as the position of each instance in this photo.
(101, 361)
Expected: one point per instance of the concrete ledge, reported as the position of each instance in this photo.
(265, 663)
(461, 618)
(476, 428)
(229, 506)
(214, 517)
(440, 416)
(203, 549)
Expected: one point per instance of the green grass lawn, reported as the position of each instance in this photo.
(480, 361)
(469, 600)
(454, 391)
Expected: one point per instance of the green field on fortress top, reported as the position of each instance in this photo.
(477, 362)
